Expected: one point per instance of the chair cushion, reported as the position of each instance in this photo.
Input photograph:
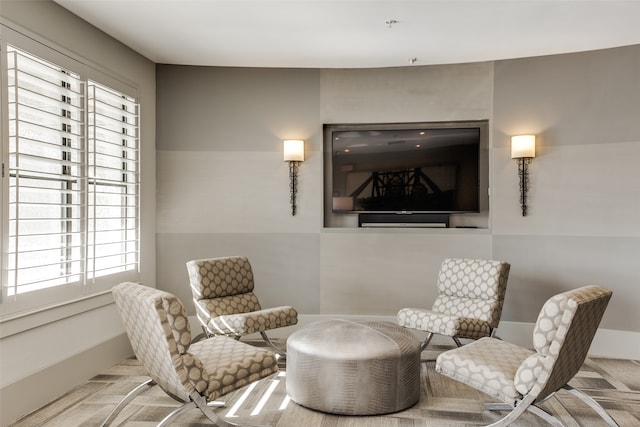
(219, 277)
(563, 333)
(234, 304)
(475, 278)
(472, 288)
(488, 365)
(531, 371)
(255, 321)
(158, 329)
(549, 321)
(443, 324)
(579, 311)
(473, 308)
(226, 365)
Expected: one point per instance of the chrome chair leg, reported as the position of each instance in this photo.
(205, 407)
(275, 348)
(426, 341)
(593, 404)
(177, 412)
(202, 335)
(125, 401)
(498, 406)
(536, 410)
(545, 415)
(515, 411)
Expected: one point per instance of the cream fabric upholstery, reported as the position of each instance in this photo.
(469, 302)
(158, 329)
(225, 304)
(562, 336)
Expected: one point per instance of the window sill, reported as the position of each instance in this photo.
(20, 322)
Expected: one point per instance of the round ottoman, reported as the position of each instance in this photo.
(353, 368)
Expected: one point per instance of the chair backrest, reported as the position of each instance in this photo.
(472, 288)
(222, 286)
(562, 336)
(158, 329)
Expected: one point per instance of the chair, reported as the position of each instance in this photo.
(225, 304)
(523, 378)
(469, 302)
(194, 374)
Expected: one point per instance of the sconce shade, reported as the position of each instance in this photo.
(523, 146)
(294, 150)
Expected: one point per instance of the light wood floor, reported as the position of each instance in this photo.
(614, 383)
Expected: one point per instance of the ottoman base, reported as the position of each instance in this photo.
(353, 368)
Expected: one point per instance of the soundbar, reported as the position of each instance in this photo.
(403, 220)
(403, 225)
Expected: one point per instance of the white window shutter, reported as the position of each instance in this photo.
(74, 179)
(46, 177)
(113, 170)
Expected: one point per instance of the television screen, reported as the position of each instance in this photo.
(405, 168)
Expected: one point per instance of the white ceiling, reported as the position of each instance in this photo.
(354, 33)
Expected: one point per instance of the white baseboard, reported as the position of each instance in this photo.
(35, 391)
(607, 342)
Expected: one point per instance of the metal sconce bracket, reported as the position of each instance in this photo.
(293, 184)
(523, 174)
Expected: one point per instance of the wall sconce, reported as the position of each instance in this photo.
(294, 154)
(523, 149)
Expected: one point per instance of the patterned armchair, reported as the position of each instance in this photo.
(194, 374)
(469, 303)
(225, 304)
(522, 378)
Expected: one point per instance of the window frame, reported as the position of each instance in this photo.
(58, 301)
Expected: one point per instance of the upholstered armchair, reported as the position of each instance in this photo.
(193, 374)
(469, 302)
(225, 303)
(523, 378)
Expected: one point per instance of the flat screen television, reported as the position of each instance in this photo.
(407, 168)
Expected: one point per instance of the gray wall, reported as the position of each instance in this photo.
(223, 188)
(584, 222)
